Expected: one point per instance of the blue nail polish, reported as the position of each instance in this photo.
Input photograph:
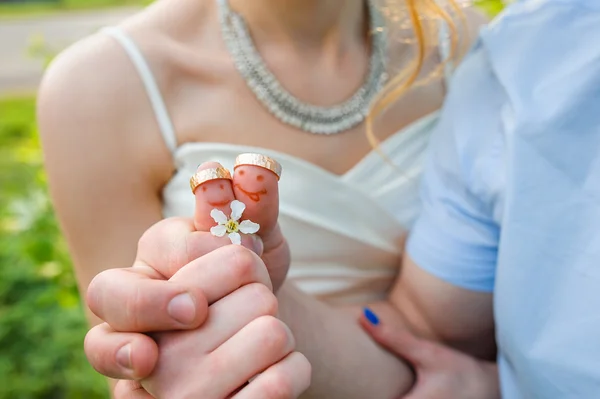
(372, 317)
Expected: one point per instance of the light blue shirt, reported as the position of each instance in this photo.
(511, 193)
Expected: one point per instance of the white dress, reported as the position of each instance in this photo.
(346, 242)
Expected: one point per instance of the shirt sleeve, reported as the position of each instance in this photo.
(456, 236)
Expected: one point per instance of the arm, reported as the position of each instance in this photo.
(421, 302)
(346, 362)
(103, 167)
(440, 311)
(444, 290)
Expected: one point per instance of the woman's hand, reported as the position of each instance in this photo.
(441, 372)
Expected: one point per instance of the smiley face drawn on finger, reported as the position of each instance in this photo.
(253, 194)
(218, 203)
(216, 197)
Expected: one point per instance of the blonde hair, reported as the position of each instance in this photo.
(425, 17)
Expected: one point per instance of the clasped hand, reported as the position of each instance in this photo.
(196, 316)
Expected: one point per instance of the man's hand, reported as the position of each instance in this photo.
(240, 336)
(185, 278)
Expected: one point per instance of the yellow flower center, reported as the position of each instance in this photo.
(232, 226)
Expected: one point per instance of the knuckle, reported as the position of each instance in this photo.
(149, 237)
(96, 291)
(275, 336)
(305, 366)
(266, 302)
(244, 263)
(303, 369)
(165, 244)
(98, 349)
(277, 385)
(91, 296)
(91, 349)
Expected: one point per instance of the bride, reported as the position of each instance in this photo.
(127, 115)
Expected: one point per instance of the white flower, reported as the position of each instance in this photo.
(232, 227)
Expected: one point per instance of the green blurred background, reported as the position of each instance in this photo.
(42, 322)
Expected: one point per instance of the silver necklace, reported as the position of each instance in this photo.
(283, 105)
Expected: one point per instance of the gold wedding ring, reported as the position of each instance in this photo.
(204, 175)
(259, 160)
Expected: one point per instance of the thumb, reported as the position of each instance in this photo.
(392, 334)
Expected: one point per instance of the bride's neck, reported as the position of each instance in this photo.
(313, 22)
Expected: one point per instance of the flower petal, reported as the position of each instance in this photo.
(218, 231)
(218, 216)
(249, 227)
(237, 208)
(235, 238)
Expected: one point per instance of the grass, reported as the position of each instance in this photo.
(31, 9)
(43, 7)
(42, 323)
(491, 7)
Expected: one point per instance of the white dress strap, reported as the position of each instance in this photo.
(139, 61)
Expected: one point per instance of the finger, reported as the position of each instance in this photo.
(216, 196)
(287, 379)
(230, 314)
(212, 194)
(130, 301)
(130, 390)
(133, 300)
(393, 335)
(172, 243)
(221, 272)
(263, 342)
(258, 188)
(120, 355)
(201, 242)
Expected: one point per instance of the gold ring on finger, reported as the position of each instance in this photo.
(204, 175)
(262, 161)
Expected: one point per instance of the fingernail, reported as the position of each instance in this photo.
(182, 308)
(372, 317)
(124, 357)
(257, 244)
(209, 164)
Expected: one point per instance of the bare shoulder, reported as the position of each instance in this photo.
(92, 99)
(88, 82)
(94, 81)
(98, 132)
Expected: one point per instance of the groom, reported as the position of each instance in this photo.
(512, 212)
